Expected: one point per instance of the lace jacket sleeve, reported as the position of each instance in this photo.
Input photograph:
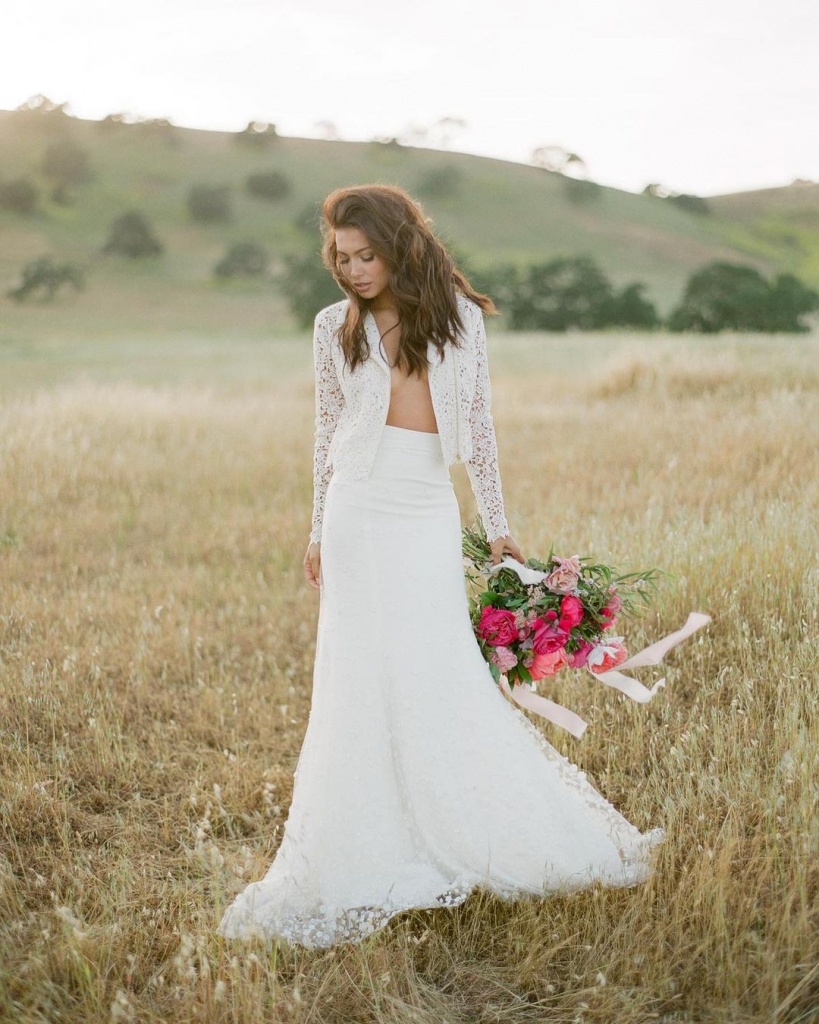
(482, 468)
(329, 403)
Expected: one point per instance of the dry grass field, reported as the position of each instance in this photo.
(156, 645)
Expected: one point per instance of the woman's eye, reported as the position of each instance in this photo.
(368, 259)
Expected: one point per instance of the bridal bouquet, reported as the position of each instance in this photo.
(532, 620)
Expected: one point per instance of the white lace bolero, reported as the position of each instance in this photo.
(352, 408)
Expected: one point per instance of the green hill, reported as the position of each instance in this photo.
(489, 210)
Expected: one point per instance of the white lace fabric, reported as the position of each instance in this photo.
(352, 408)
(418, 781)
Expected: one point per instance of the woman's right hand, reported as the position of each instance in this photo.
(312, 565)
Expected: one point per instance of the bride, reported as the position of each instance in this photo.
(417, 781)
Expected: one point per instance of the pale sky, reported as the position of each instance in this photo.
(705, 96)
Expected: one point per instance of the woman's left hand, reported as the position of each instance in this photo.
(505, 546)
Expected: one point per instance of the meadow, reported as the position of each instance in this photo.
(156, 646)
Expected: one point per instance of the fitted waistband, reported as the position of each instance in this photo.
(417, 440)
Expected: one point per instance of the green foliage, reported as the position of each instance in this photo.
(270, 185)
(65, 164)
(131, 235)
(42, 279)
(564, 294)
(209, 204)
(732, 296)
(307, 286)
(20, 195)
(244, 259)
(630, 308)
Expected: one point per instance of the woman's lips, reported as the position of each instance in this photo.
(362, 287)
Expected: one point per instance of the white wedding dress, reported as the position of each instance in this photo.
(418, 781)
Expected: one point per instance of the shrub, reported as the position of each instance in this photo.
(65, 164)
(209, 203)
(244, 259)
(441, 182)
(271, 185)
(733, 296)
(564, 294)
(42, 278)
(629, 308)
(20, 195)
(308, 286)
(561, 294)
(131, 235)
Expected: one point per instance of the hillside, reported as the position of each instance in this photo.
(494, 211)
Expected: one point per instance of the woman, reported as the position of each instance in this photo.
(417, 780)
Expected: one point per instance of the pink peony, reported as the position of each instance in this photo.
(547, 664)
(571, 612)
(503, 658)
(581, 655)
(547, 635)
(497, 627)
(563, 579)
(607, 656)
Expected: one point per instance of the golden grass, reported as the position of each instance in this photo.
(156, 647)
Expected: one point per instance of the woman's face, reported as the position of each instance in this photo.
(359, 264)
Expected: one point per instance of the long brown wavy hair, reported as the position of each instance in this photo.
(423, 276)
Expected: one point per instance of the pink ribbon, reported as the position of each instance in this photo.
(556, 713)
(651, 655)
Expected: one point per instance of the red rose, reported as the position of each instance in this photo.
(571, 613)
(548, 636)
(497, 627)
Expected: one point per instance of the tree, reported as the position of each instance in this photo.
(629, 308)
(270, 185)
(209, 203)
(131, 235)
(559, 160)
(732, 296)
(42, 279)
(561, 294)
(40, 104)
(20, 195)
(308, 286)
(445, 129)
(244, 259)
(65, 164)
(257, 133)
(685, 201)
(328, 130)
(789, 300)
